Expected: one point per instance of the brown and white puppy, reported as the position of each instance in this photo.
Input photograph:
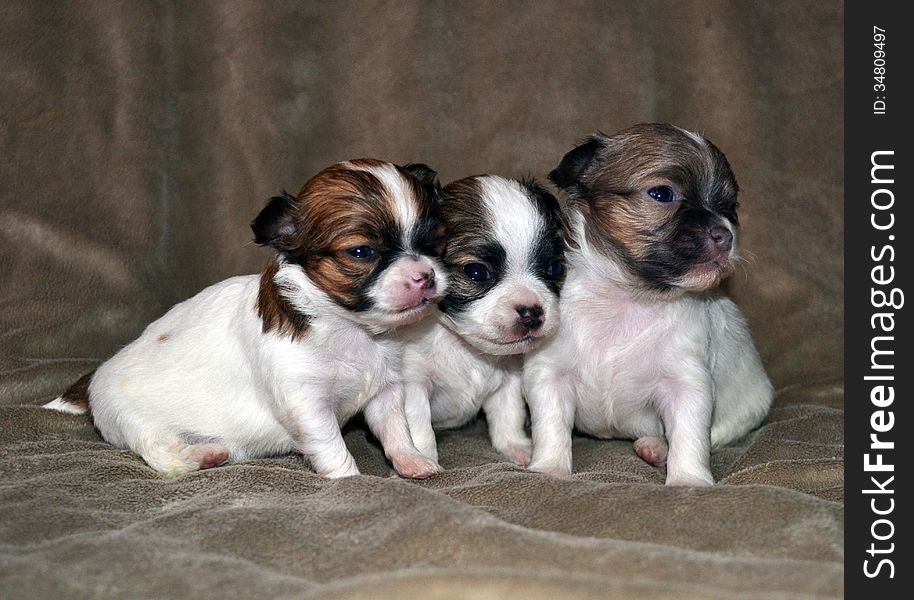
(646, 350)
(262, 365)
(504, 257)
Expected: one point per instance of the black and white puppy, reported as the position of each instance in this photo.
(263, 365)
(504, 257)
(646, 350)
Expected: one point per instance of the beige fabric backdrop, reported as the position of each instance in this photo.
(138, 139)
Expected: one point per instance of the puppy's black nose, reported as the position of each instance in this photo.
(531, 316)
(722, 237)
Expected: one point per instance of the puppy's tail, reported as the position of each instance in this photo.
(76, 399)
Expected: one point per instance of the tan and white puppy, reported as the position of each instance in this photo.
(257, 366)
(646, 349)
(504, 257)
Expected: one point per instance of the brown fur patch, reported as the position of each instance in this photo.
(634, 160)
(275, 312)
(341, 208)
(162, 338)
(78, 393)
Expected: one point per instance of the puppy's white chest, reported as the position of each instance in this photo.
(459, 378)
(459, 391)
(625, 352)
(354, 367)
(617, 337)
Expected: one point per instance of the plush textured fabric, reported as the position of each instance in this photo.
(137, 140)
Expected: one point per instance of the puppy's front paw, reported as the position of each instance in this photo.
(690, 479)
(652, 450)
(519, 452)
(414, 466)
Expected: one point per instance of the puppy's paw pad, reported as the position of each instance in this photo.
(415, 466)
(214, 459)
(206, 456)
(652, 450)
(519, 453)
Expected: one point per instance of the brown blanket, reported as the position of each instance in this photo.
(138, 139)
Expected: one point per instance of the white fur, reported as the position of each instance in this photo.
(60, 405)
(627, 365)
(398, 189)
(696, 137)
(513, 217)
(456, 366)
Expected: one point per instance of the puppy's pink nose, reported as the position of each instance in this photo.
(423, 279)
(530, 316)
(722, 238)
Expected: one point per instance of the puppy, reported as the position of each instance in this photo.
(646, 350)
(257, 366)
(504, 256)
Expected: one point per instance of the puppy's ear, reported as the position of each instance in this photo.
(275, 225)
(575, 163)
(423, 173)
(427, 177)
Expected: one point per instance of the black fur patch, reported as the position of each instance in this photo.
(468, 242)
(428, 234)
(549, 249)
(78, 394)
(275, 225)
(569, 171)
(551, 245)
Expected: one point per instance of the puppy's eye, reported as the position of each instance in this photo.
(361, 252)
(555, 269)
(477, 272)
(662, 193)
